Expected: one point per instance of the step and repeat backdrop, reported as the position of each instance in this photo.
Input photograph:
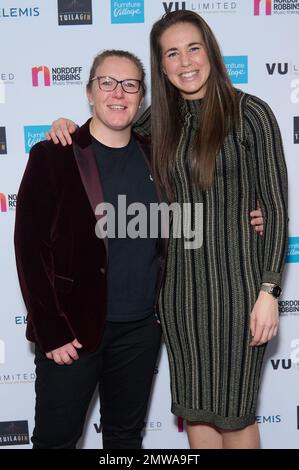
(46, 49)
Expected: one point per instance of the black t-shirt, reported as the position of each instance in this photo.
(132, 262)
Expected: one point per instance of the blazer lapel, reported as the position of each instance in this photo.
(89, 173)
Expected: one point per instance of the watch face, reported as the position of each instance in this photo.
(276, 291)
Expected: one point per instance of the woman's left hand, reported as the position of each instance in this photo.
(257, 220)
(264, 319)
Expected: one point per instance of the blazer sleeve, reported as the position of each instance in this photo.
(35, 219)
(143, 125)
(271, 185)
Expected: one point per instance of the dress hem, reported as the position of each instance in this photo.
(228, 423)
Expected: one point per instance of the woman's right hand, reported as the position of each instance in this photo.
(66, 354)
(61, 131)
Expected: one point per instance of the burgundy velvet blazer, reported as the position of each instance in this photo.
(61, 262)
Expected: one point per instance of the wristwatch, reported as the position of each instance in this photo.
(273, 290)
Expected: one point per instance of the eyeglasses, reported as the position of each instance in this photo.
(129, 85)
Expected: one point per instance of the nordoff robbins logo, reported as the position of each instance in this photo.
(132, 221)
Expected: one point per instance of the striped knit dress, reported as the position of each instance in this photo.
(209, 292)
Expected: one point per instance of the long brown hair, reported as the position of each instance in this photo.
(218, 115)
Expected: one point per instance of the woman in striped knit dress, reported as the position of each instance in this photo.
(219, 147)
(215, 145)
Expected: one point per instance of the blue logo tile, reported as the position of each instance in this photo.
(127, 12)
(293, 250)
(237, 67)
(34, 134)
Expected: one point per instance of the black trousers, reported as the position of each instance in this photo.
(122, 368)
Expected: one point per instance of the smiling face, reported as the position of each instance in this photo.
(114, 111)
(184, 59)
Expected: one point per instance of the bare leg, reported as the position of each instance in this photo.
(203, 436)
(247, 438)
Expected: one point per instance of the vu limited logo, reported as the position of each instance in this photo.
(42, 72)
(170, 6)
(282, 69)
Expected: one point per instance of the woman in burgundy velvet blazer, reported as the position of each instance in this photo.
(63, 271)
(62, 264)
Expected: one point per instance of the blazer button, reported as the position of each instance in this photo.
(102, 270)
